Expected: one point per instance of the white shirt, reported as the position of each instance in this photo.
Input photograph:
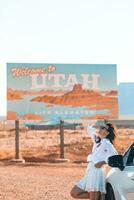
(101, 151)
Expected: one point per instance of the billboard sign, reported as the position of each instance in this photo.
(67, 91)
(126, 94)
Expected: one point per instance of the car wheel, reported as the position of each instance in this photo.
(110, 193)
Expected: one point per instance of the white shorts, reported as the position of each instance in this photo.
(93, 180)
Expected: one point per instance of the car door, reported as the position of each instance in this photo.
(128, 174)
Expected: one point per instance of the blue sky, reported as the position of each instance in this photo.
(66, 31)
(126, 99)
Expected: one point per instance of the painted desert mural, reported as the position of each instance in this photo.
(69, 91)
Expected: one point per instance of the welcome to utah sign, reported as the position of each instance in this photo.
(67, 91)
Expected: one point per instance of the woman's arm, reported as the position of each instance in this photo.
(92, 132)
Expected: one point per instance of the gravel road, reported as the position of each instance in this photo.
(38, 182)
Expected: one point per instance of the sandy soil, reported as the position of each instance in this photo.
(45, 182)
(44, 146)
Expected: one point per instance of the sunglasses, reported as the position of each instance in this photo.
(102, 127)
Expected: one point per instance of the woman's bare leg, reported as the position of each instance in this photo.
(95, 195)
(78, 193)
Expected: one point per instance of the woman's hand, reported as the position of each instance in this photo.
(100, 164)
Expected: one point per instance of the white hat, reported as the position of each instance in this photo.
(101, 123)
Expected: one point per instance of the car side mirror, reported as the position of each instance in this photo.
(116, 161)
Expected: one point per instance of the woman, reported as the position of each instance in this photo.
(92, 185)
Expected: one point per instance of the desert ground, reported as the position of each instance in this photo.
(42, 177)
(38, 182)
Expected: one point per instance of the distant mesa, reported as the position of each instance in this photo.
(14, 95)
(92, 99)
(112, 93)
(20, 94)
(11, 115)
(30, 116)
(76, 97)
(77, 87)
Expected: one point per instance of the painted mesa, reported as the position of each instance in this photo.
(54, 91)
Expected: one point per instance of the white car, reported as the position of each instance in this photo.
(120, 179)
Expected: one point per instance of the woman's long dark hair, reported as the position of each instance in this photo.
(112, 132)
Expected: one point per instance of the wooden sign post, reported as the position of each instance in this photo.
(17, 158)
(17, 153)
(61, 139)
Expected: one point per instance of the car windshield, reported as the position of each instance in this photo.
(128, 157)
(130, 160)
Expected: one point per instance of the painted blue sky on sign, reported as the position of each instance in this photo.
(72, 91)
(107, 74)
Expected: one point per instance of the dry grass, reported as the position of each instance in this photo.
(42, 146)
